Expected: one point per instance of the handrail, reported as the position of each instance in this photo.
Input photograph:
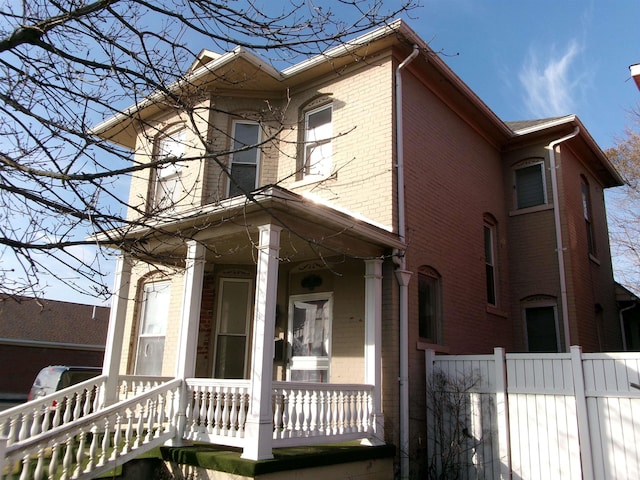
(101, 440)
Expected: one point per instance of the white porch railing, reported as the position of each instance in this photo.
(307, 413)
(74, 434)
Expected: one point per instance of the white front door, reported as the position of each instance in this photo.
(310, 337)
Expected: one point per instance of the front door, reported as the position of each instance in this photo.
(309, 335)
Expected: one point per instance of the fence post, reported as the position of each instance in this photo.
(502, 413)
(582, 413)
(3, 449)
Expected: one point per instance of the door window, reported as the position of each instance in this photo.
(310, 337)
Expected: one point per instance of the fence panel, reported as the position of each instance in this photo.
(569, 416)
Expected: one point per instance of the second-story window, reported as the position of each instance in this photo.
(244, 163)
(530, 185)
(317, 141)
(490, 261)
(586, 210)
(167, 176)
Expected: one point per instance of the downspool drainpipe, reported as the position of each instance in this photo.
(559, 241)
(403, 277)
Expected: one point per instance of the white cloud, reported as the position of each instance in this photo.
(550, 82)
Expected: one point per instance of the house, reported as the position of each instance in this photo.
(37, 332)
(376, 207)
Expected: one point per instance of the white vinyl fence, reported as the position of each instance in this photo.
(534, 416)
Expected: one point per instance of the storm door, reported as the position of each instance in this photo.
(310, 337)
(232, 328)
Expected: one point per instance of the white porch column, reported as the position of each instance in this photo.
(190, 316)
(259, 423)
(373, 344)
(115, 332)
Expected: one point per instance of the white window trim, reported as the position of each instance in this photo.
(309, 177)
(258, 152)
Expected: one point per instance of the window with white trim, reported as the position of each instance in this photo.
(318, 132)
(153, 326)
(530, 185)
(244, 163)
(232, 328)
(167, 189)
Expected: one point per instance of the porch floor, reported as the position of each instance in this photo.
(227, 459)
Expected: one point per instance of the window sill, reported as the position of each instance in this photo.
(432, 346)
(493, 310)
(537, 208)
(312, 179)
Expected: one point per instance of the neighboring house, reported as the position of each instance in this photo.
(394, 212)
(35, 333)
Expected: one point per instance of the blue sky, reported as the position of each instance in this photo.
(529, 59)
(533, 59)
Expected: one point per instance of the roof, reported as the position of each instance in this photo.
(38, 320)
(635, 73)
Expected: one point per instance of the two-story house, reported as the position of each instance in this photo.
(316, 228)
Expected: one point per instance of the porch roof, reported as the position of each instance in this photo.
(230, 228)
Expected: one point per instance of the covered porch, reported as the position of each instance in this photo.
(311, 372)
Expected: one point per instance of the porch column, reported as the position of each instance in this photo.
(259, 423)
(115, 332)
(190, 316)
(373, 344)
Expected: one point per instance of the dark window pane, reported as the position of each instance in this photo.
(541, 329)
(529, 186)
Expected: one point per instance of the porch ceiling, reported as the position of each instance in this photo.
(229, 230)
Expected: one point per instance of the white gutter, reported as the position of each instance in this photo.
(403, 277)
(559, 241)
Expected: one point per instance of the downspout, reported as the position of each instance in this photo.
(403, 277)
(559, 241)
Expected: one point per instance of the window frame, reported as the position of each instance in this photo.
(167, 174)
(587, 213)
(433, 328)
(491, 264)
(324, 167)
(247, 325)
(233, 161)
(540, 305)
(540, 163)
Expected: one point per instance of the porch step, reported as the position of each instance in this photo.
(337, 461)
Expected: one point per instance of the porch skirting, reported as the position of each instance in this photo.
(335, 461)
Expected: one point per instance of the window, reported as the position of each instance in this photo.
(542, 329)
(429, 305)
(232, 328)
(153, 326)
(530, 185)
(244, 164)
(586, 210)
(317, 141)
(167, 185)
(310, 337)
(490, 263)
